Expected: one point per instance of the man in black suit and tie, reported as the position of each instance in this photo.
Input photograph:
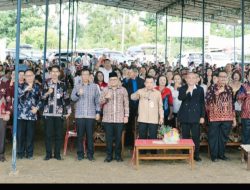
(192, 111)
(134, 83)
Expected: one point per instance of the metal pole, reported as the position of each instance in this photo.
(60, 30)
(182, 11)
(68, 32)
(72, 34)
(156, 38)
(123, 30)
(45, 39)
(234, 45)
(242, 37)
(166, 40)
(76, 23)
(19, 4)
(203, 35)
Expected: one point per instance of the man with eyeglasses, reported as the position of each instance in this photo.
(29, 102)
(221, 115)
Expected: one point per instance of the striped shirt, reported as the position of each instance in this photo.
(87, 105)
(116, 108)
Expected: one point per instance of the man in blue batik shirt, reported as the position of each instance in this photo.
(29, 103)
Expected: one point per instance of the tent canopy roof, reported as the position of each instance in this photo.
(222, 11)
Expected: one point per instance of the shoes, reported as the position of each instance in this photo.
(30, 158)
(19, 157)
(80, 158)
(224, 158)
(2, 159)
(215, 160)
(197, 159)
(91, 158)
(108, 159)
(119, 159)
(47, 157)
(59, 158)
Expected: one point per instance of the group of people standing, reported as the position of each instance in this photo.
(121, 97)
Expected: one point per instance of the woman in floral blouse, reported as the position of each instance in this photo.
(56, 105)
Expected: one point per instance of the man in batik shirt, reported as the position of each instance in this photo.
(221, 116)
(29, 102)
(56, 105)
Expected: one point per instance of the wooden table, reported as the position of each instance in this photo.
(149, 144)
(245, 151)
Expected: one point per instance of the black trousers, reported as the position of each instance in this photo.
(148, 131)
(192, 130)
(218, 133)
(53, 130)
(85, 126)
(2, 137)
(25, 138)
(113, 131)
(130, 128)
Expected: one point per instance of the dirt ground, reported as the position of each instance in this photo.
(72, 171)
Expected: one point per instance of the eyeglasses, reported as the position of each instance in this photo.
(113, 79)
(28, 75)
(223, 76)
(54, 71)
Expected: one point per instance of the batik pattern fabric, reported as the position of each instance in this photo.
(243, 97)
(58, 102)
(220, 107)
(27, 100)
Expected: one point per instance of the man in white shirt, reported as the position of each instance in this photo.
(85, 60)
(106, 69)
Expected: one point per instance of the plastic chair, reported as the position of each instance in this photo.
(70, 133)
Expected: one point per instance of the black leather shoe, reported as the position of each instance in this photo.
(197, 159)
(59, 158)
(119, 159)
(2, 159)
(47, 158)
(224, 158)
(30, 158)
(19, 157)
(214, 160)
(80, 158)
(108, 159)
(91, 158)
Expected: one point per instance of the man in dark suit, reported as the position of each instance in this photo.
(192, 111)
(133, 84)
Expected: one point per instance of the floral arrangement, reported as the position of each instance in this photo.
(168, 134)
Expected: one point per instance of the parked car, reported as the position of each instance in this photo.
(220, 59)
(22, 56)
(66, 56)
(118, 56)
(195, 57)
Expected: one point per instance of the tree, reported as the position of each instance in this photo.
(35, 36)
(30, 17)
